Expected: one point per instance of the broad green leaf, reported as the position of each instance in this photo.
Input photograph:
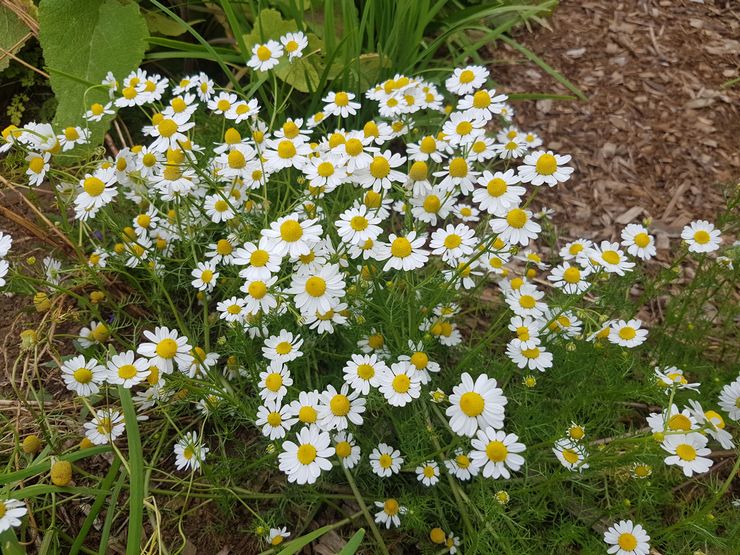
(353, 544)
(160, 24)
(82, 41)
(12, 33)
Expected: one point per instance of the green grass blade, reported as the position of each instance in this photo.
(9, 543)
(297, 544)
(110, 514)
(136, 474)
(96, 508)
(552, 72)
(353, 544)
(236, 29)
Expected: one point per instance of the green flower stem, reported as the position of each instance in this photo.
(368, 516)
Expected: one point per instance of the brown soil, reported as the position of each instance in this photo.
(659, 134)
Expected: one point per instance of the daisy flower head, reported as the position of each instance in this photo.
(374, 343)
(258, 296)
(317, 291)
(389, 514)
(340, 104)
(516, 226)
(545, 167)
(611, 258)
(638, 242)
(274, 420)
(274, 381)
(453, 242)
(463, 128)
(11, 511)
(461, 465)
(362, 372)
(530, 354)
(96, 333)
(626, 538)
(457, 175)
(476, 404)
(483, 103)
(432, 205)
(284, 153)
(466, 80)
(338, 408)
(232, 309)
(294, 44)
(6, 241)
(165, 349)
(289, 235)
(169, 132)
(420, 360)
(380, 173)
(98, 111)
(347, 449)
(576, 249)
(701, 236)
(729, 399)
(712, 423)
(356, 225)
(96, 190)
(627, 334)
(73, 136)
(204, 276)
(576, 432)
(126, 370)
(385, 460)
(571, 455)
(570, 278)
(106, 426)
(282, 348)
(689, 452)
(497, 453)
(671, 376)
(428, 473)
(640, 471)
(304, 460)
(189, 452)
(278, 535)
(265, 56)
(500, 193)
(404, 252)
(672, 420)
(83, 376)
(400, 384)
(526, 301)
(261, 260)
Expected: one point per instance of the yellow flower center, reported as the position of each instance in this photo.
(236, 160)
(343, 449)
(610, 257)
(306, 453)
(257, 289)
(71, 134)
(570, 456)
(100, 333)
(458, 167)
(627, 541)
(466, 76)
(686, 452)
(546, 164)
(429, 472)
(496, 451)
(129, 93)
(325, 169)
(531, 353)
(83, 375)
(307, 414)
(385, 460)
(339, 405)
(167, 128)
(353, 147)
(627, 333)
(679, 422)
(283, 348)
(220, 206)
(437, 535)
(223, 247)
(376, 341)
(642, 240)
(702, 237)
(452, 241)
(572, 275)
(167, 348)
(401, 383)
(463, 461)
(432, 204)
(576, 432)
(419, 171)
(391, 507)
(92, 186)
(274, 382)
(206, 276)
(315, 286)
(127, 371)
(274, 419)
(419, 360)
(286, 149)
(527, 301)
(97, 109)
(379, 167)
(341, 99)
(516, 218)
(291, 231)
(401, 247)
(365, 371)
(263, 53)
(428, 145)
(472, 403)
(481, 99)
(358, 223)
(464, 128)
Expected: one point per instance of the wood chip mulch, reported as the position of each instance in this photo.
(659, 135)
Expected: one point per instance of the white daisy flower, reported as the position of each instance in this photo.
(265, 56)
(570, 278)
(380, 174)
(627, 334)
(232, 309)
(317, 291)
(575, 249)
(106, 426)
(274, 420)
(304, 460)
(258, 297)
(340, 104)
(355, 225)
(545, 167)
(453, 242)
(501, 192)
(466, 80)
(428, 473)
(475, 404)
(204, 276)
(672, 420)
(347, 449)
(461, 466)
(189, 452)
(404, 252)
(611, 258)
(278, 535)
(338, 408)
(362, 372)
(688, 451)
(529, 354)
(483, 103)
(729, 399)
(496, 453)
(701, 236)
(638, 241)
(671, 376)
(713, 424)
(626, 538)
(385, 460)
(571, 455)
(6, 241)
(11, 511)
(167, 347)
(400, 384)
(288, 235)
(389, 512)
(526, 301)
(516, 227)
(81, 376)
(294, 44)
(98, 111)
(126, 370)
(261, 260)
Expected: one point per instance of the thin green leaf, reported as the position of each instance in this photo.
(297, 544)
(136, 474)
(353, 544)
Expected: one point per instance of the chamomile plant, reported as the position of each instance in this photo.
(366, 311)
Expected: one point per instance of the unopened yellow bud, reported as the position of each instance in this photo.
(61, 473)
